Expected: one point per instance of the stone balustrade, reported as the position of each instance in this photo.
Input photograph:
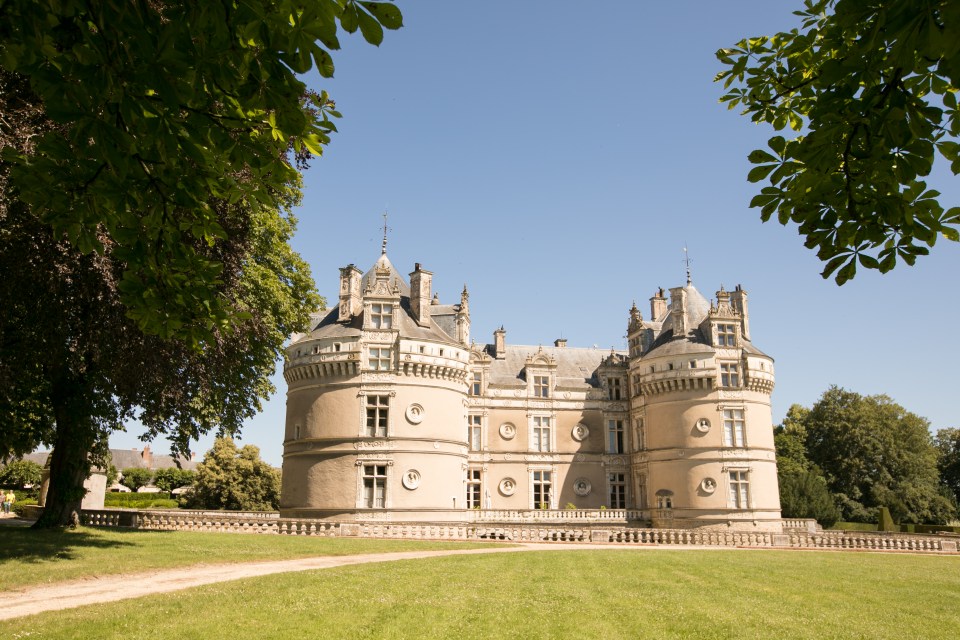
(573, 525)
(801, 524)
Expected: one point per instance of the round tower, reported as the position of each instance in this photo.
(700, 410)
(371, 392)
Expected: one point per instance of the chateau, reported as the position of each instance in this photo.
(394, 414)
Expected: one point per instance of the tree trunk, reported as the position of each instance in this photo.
(70, 458)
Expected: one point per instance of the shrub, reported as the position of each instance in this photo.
(19, 507)
(804, 494)
(885, 521)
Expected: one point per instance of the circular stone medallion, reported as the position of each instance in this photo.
(508, 486)
(415, 413)
(411, 479)
(702, 425)
(507, 431)
(581, 486)
(580, 432)
(709, 485)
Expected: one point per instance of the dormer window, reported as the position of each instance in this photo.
(380, 359)
(381, 316)
(726, 335)
(614, 389)
(476, 386)
(541, 386)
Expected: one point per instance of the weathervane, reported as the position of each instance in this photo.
(686, 260)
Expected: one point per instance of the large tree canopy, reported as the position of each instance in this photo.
(235, 478)
(874, 453)
(869, 89)
(162, 111)
(144, 227)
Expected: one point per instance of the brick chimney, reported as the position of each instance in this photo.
(420, 282)
(147, 457)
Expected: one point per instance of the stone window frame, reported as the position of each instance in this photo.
(384, 356)
(730, 374)
(739, 495)
(476, 384)
(615, 388)
(726, 335)
(616, 425)
(476, 421)
(729, 426)
(381, 316)
(535, 423)
(541, 385)
(532, 472)
(365, 405)
(623, 483)
(386, 477)
(477, 482)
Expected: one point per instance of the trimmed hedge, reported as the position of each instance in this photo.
(854, 526)
(140, 501)
(20, 505)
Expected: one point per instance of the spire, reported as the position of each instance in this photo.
(383, 247)
(686, 260)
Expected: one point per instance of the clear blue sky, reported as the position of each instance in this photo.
(556, 157)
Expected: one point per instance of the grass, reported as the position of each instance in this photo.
(30, 557)
(557, 594)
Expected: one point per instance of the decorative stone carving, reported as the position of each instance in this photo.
(411, 479)
(508, 486)
(580, 432)
(708, 485)
(415, 413)
(582, 486)
(702, 425)
(730, 394)
(374, 444)
(507, 431)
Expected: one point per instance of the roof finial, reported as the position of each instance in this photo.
(686, 260)
(383, 247)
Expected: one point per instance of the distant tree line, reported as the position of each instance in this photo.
(850, 455)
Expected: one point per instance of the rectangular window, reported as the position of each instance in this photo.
(733, 425)
(377, 413)
(381, 316)
(475, 432)
(374, 486)
(380, 359)
(726, 335)
(636, 384)
(541, 433)
(641, 492)
(739, 490)
(476, 387)
(641, 435)
(618, 490)
(729, 374)
(614, 436)
(614, 390)
(474, 489)
(541, 386)
(541, 489)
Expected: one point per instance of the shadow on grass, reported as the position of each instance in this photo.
(39, 545)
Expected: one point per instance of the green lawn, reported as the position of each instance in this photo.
(636, 594)
(30, 557)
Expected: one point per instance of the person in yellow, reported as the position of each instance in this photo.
(8, 501)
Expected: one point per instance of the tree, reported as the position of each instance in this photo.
(790, 439)
(173, 478)
(135, 477)
(144, 190)
(804, 494)
(869, 88)
(20, 473)
(235, 479)
(163, 110)
(874, 453)
(947, 442)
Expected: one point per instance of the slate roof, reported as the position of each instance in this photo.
(442, 327)
(126, 459)
(576, 368)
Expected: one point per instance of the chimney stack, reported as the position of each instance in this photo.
(560, 343)
(740, 304)
(500, 343)
(350, 300)
(420, 282)
(658, 306)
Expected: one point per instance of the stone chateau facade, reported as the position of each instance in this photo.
(394, 414)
